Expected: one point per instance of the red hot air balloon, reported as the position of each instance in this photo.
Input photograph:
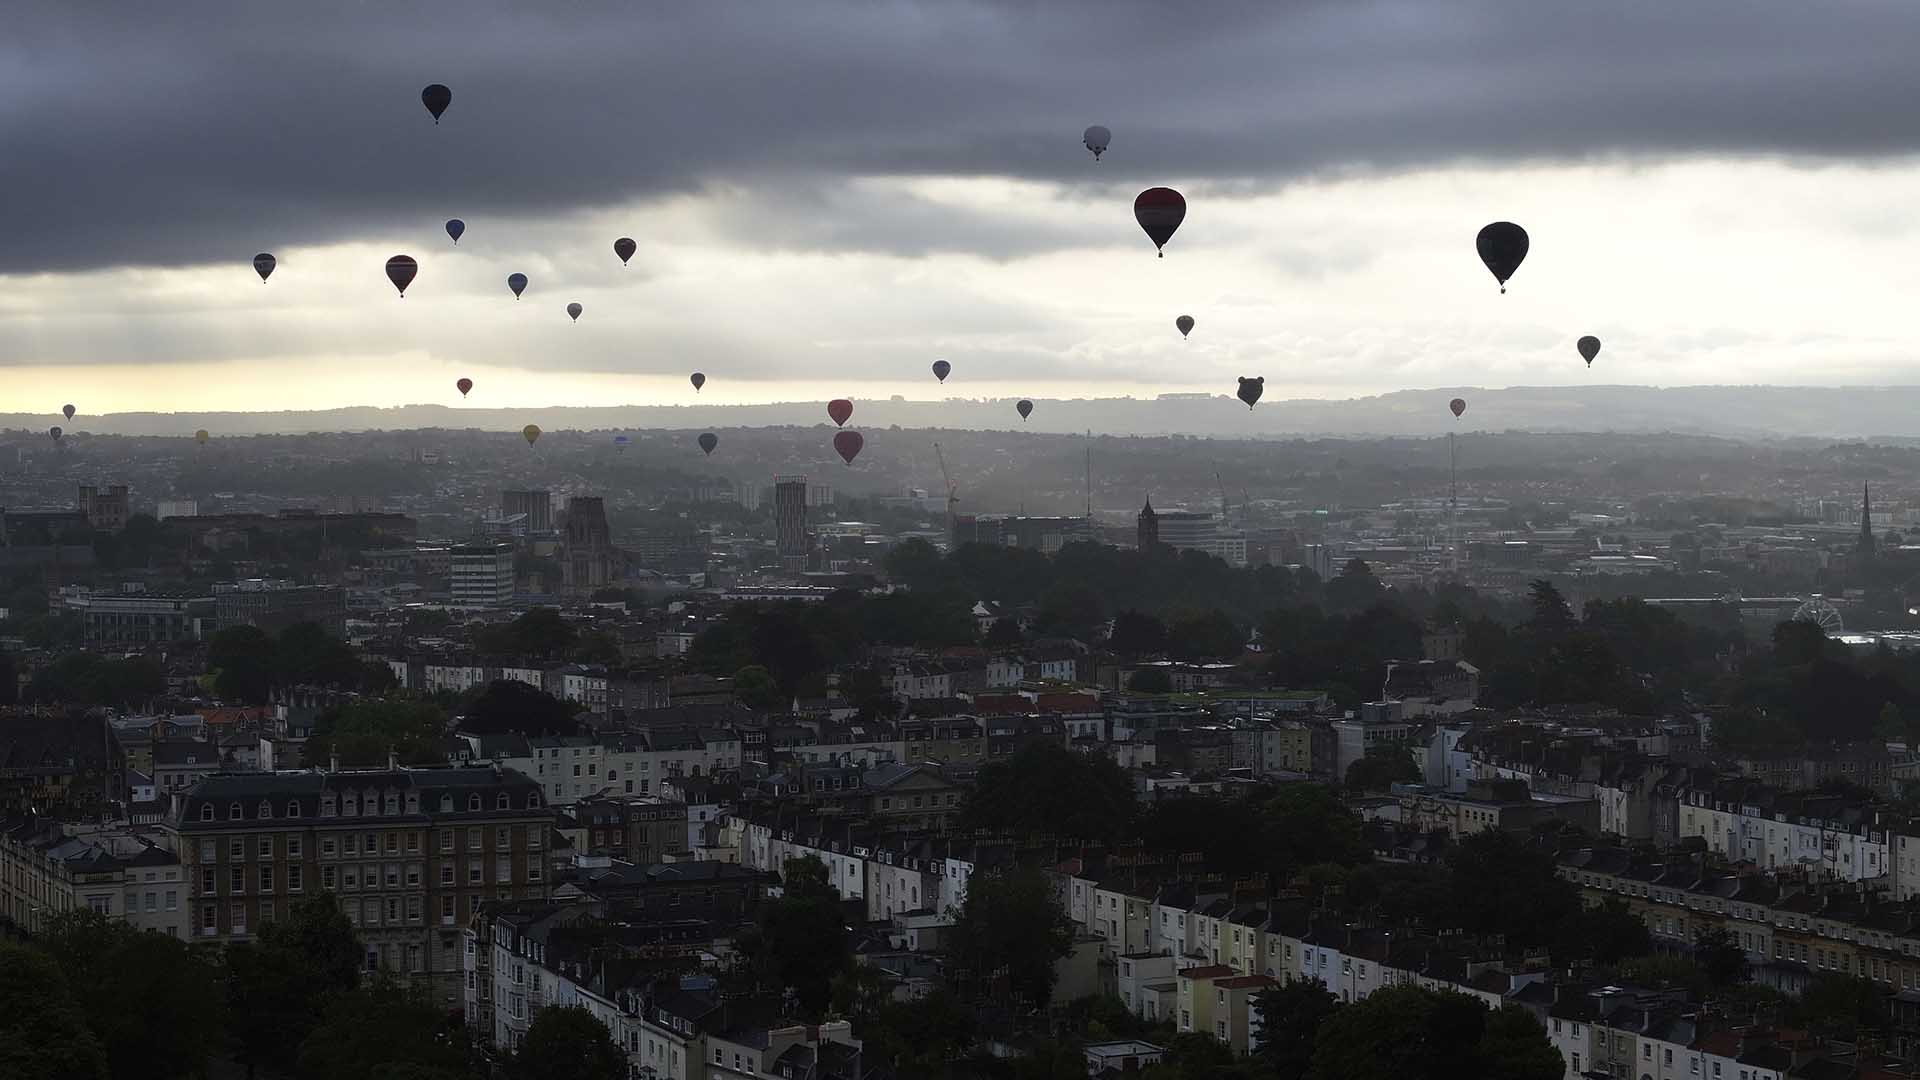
(1458, 405)
(698, 380)
(624, 247)
(848, 443)
(1159, 211)
(1024, 408)
(400, 271)
(839, 409)
(463, 385)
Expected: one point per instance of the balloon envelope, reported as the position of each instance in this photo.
(698, 380)
(1096, 139)
(455, 227)
(573, 311)
(708, 441)
(1589, 347)
(436, 98)
(849, 444)
(839, 409)
(1185, 324)
(530, 433)
(1159, 211)
(620, 443)
(1502, 246)
(55, 432)
(624, 247)
(400, 271)
(1024, 408)
(1251, 389)
(200, 436)
(940, 369)
(463, 385)
(518, 283)
(263, 265)
(1458, 405)
(67, 411)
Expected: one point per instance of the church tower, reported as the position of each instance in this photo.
(1147, 531)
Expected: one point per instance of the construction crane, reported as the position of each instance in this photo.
(952, 493)
(1223, 494)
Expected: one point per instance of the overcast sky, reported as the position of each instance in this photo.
(827, 197)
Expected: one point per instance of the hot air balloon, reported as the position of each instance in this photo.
(1159, 211)
(940, 369)
(518, 283)
(620, 444)
(1024, 408)
(698, 380)
(263, 265)
(624, 247)
(400, 271)
(531, 433)
(839, 409)
(1096, 139)
(708, 441)
(463, 385)
(1458, 405)
(1251, 389)
(200, 436)
(849, 444)
(573, 311)
(456, 228)
(436, 98)
(1502, 246)
(67, 411)
(1184, 324)
(55, 432)
(1589, 347)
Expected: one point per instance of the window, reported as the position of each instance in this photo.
(206, 879)
(503, 870)
(446, 873)
(393, 843)
(266, 878)
(446, 911)
(233, 812)
(236, 849)
(293, 847)
(446, 804)
(236, 879)
(265, 848)
(473, 871)
(327, 878)
(534, 837)
(473, 801)
(206, 811)
(446, 839)
(413, 842)
(533, 799)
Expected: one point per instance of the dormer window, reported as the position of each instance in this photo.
(393, 804)
(446, 804)
(349, 806)
(533, 799)
(265, 810)
(501, 802)
(206, 811)
(293, 808)
(413, 802)
(473, 802)
(327, 806)
(233, 812)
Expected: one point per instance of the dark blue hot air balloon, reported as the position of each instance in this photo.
(455, 227)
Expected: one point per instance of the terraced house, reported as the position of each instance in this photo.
(410, 854)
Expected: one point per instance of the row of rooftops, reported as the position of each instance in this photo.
(85, 854)
(225, 800)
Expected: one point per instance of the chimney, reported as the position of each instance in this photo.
(393, 759)
(333, 761)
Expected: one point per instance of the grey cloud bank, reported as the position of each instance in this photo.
(204, 132)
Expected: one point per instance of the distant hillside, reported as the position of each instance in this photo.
(1751, 412)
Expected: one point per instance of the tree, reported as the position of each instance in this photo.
(1137, 634)
(43, 1031)
(306, 655)
(753, 686)
(1012, 924)
(802, 941)
(511, 707)
(1384, 765)
(243, 660)
(151, 1000)
(1208, 636)
(384, 1028)
(1005, 633)
(1150, 680)
(1045, 786)
(278, 986)
(1414, 1034)
(1720, 957)
(1354, 588)
(362, 732)
(1291, 1016)
(541, 632)
(567, 1044)
(1515, 1047)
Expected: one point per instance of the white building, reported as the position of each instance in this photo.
(482, 575)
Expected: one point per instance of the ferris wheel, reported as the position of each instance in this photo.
(1817, 611)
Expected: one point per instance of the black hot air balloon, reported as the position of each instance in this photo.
(1024, 408)
(436, 98)
(1251, 389)
(263, 265)
(400, 271)
(941, 369)
(1589, 347)
(455, 228)
(698, 380)
(1184, 324)
(624, 247)
(1159, 211)
(1502, 246)
(573, 311)
(848, 443)
(838, 410)
(708, 441)
(518, 283)
(67, 411)
(55, 432)
(1458, 405)
(463, 385)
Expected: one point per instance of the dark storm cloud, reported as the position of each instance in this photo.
(191, 132)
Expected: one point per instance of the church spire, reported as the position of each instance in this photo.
(1865, 547)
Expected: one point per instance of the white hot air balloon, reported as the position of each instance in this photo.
(1097, 138)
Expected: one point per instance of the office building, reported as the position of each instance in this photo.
(275, 605)
(537, 506)
(142, 619)
(105, 510)
(1045, 534)
(409, 855)
(176, 508)
(790, 516)
(482, 575)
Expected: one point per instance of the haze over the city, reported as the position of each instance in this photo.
(1721, 193)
